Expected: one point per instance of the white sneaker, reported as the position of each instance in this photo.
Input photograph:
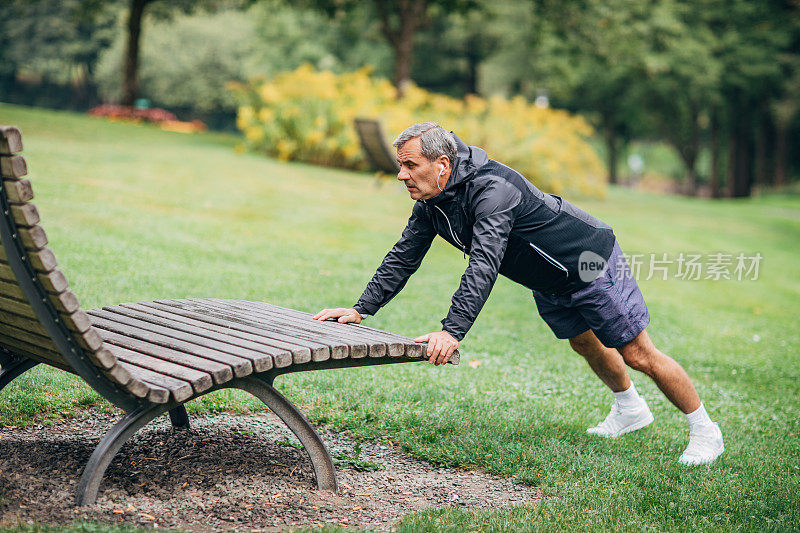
(619, 422)
(705, 445)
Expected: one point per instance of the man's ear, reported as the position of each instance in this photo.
(444, 160)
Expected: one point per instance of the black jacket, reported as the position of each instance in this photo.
(505, 224)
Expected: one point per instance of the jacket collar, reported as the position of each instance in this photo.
(468, 160)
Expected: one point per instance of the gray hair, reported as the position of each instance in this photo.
(435, 141)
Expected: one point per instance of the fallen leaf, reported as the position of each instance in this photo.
(118, 511)
(356, 508)
(147, 516)
(131, 509)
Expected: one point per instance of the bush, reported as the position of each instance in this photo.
(307, 115)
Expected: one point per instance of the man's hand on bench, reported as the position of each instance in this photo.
(441, 346)
(342, 314)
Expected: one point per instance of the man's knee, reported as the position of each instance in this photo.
(586, 343)
(640, 354)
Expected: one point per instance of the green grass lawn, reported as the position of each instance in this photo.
(134, 213)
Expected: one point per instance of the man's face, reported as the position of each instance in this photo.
(418, 174)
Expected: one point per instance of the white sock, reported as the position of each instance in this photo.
(628, 399)
(698, 417)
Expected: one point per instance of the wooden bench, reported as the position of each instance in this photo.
(151, 358)
(373, 142)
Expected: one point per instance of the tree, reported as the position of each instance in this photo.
(400, 21)
(133, 25)
(683, 80)
(592, 57)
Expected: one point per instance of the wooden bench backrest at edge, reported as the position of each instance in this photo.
(40, 318)
(374, 144)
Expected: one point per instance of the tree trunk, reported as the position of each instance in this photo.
(761, 178)
(411, 15)
(403, 59)
(130, 83)
(689, 153)
(781, 134)
(611, 149)
(473, 60)
(741, 172)
(714, 141)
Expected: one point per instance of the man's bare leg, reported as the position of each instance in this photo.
(705, 443)
(642, 355)
(630, 411)
(607, 363)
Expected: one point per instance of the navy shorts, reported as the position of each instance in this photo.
(611, 306)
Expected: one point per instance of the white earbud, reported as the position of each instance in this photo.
(441, 167)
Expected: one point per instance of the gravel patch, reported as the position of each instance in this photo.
(228, 472)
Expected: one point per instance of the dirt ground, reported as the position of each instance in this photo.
(228, 472)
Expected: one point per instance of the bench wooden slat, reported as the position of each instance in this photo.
(33, 237)
(239, 365)
(282, 357)
(18, 191)
(11, 290)
(334, 351)
(10, 140)
(25, 214)
(53, 281)
(43, 260)
(13, 166)
(409, 347)
(396, 348)
(42, 341)
(220, 372)
(66, 302)
(200, 381)
(258, 357)
(89, 341)
(301, 353)
(378, 347)
(359, 346)
(55, 359)
(178, 389)
(28, 349)
(340, 349)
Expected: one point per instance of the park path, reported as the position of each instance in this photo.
(230, 471)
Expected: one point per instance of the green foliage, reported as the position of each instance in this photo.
(309, 116)
(47, 41)
(187, 60)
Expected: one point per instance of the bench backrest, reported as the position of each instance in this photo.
(40, 317)
(378, 152)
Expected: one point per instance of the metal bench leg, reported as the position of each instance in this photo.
(12, 367)
(294, 419)
(109, 446)
(179, 417)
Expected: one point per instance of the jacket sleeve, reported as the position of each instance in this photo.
(402, 260)
(495, 211)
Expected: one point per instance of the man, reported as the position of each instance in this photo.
(571, 261)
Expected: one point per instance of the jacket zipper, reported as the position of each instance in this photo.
(550, 260)
(452, 233)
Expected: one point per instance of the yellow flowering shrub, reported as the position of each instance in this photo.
(307, 115)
